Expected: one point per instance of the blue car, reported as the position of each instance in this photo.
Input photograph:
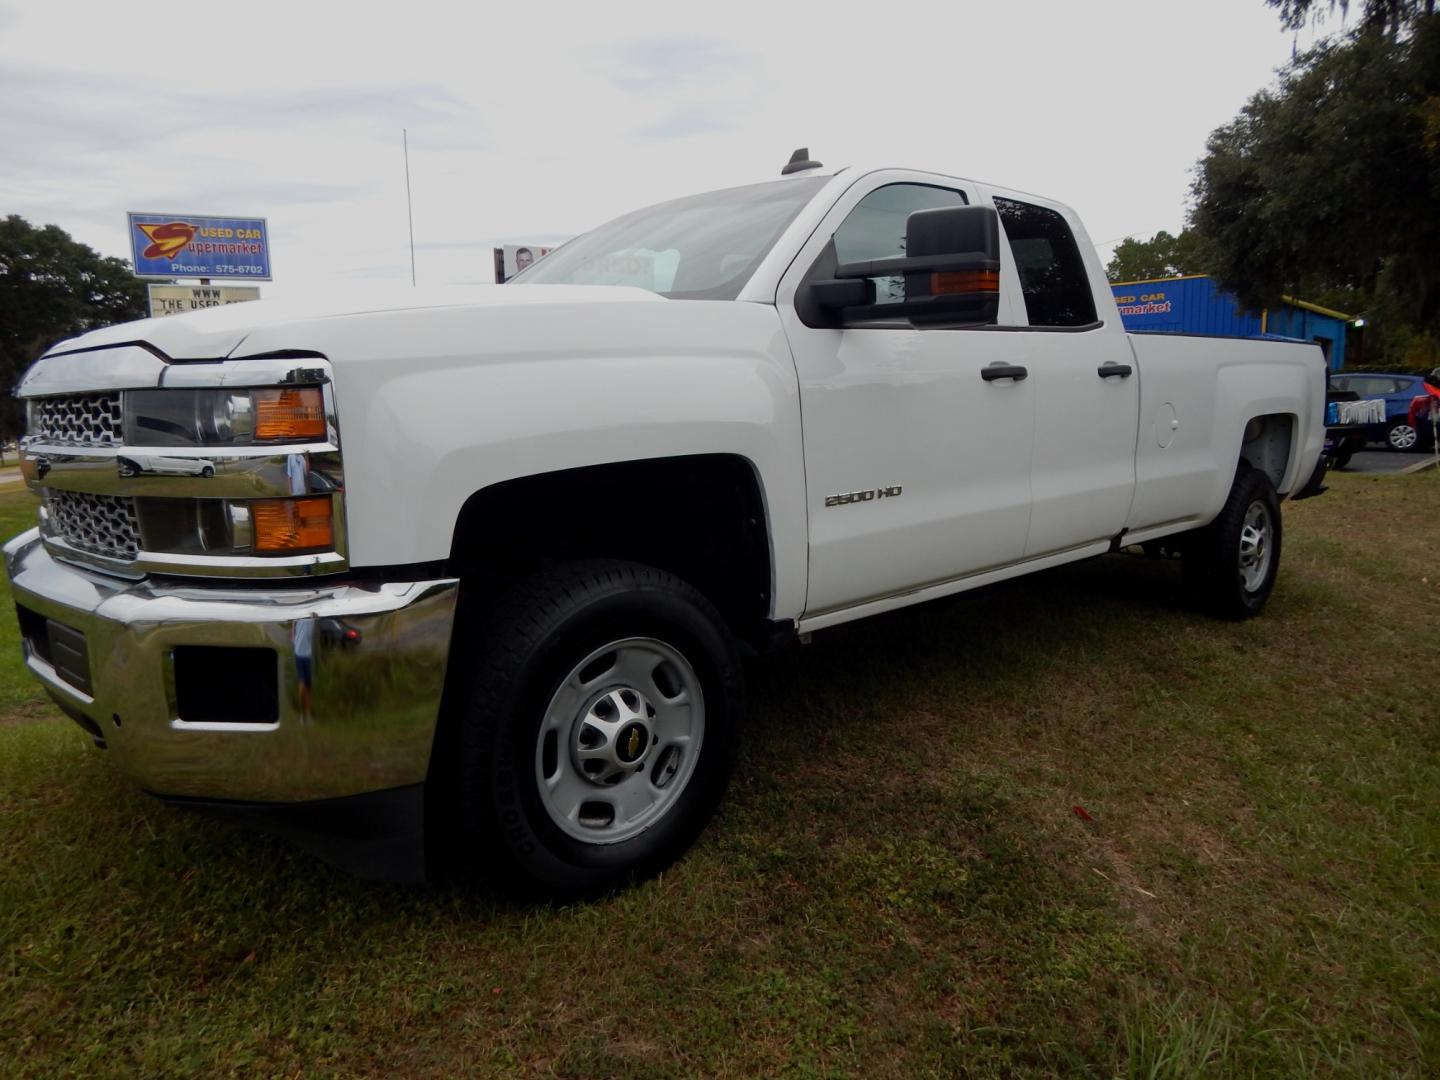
(1398, 391)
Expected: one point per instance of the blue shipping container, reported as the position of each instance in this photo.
(1194, 305)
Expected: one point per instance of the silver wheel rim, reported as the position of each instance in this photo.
(1257, 538)
(1403, 436)
(619, 740)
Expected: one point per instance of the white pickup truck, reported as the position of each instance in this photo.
(471, 575)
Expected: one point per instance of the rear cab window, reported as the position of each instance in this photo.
(1053, 281)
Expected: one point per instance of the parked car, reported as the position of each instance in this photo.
(555, 513)
(1343, 436)
(1398, 391)
(157, 465)
(1425, 408)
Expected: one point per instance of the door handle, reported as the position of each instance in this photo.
(1004, 371)
(1105, 371)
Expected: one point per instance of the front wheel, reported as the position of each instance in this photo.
(1231, 564)
(597, 729)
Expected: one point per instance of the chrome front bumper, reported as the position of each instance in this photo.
(374, 677)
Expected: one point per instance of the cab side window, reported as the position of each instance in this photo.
(1052, 274)
(875, 229)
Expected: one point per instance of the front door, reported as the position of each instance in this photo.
(917, 466)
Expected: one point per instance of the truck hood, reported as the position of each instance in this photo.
(219, 332)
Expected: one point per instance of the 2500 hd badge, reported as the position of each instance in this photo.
(863, 496)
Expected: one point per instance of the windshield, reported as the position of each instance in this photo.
(704, 247)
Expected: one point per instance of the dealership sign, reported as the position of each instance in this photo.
(178, 299)
(185, 245)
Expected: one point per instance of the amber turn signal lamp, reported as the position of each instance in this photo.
(950, 282)
(292, 524)
(289, 414)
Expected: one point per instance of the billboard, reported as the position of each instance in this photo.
(189, 245)
(512, 258)
(178, 299)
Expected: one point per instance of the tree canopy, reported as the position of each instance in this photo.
(1330, 180)
(1161, 256)
(1386, 15)
(51, 288)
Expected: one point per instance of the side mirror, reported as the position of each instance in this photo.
(951, 269)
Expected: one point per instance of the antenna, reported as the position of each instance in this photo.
(409, 209)
(799, 162)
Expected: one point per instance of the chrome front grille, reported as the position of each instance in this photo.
(138, 478)
(101, 524)
(77, 419)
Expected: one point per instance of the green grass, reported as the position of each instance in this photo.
(20, 695)
(898, 884)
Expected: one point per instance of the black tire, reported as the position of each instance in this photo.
(1213, 556)
(509, 662)
(207, 472)
(1340, 458)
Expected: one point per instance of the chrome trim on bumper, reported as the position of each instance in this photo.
(252, 567)
(249, 472)
(373, 702)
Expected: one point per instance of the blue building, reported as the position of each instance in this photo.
(1195, 305)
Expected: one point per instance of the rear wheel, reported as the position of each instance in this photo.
(598, 725)
(1402, 436)
(1231, 564)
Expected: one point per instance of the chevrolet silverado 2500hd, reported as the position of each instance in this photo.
(483, 567)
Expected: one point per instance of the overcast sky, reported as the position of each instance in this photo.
(530, 122)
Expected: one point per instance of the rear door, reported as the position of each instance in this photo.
(1087, 392)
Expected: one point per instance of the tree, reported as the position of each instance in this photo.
(1161, 256)
(1385, 15)
(1329, 180)
(51, 288)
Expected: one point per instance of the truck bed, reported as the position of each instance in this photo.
(1198, 396)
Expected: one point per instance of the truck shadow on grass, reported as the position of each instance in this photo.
(870, 689)
(858, 688)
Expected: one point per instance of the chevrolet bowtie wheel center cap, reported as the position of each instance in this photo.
(613, 739)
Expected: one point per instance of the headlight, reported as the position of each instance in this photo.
(224, 417)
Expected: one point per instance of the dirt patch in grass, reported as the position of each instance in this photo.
(35, 712)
